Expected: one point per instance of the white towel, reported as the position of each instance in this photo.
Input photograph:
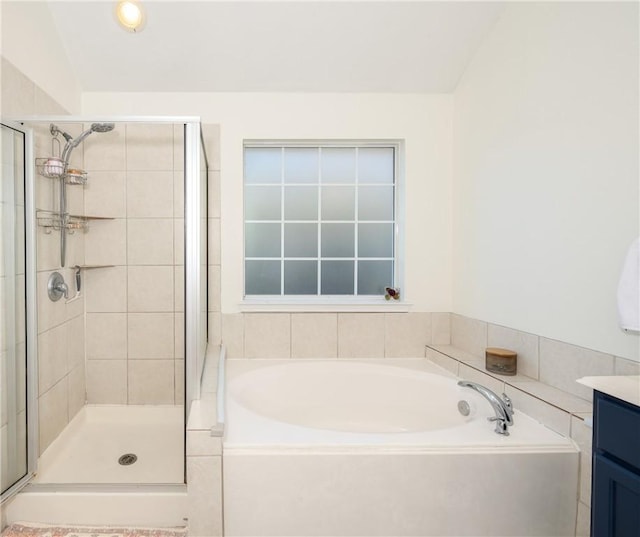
(629, 290)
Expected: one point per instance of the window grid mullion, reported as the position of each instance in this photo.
(319, 224)
(282, 221)
(355, 231)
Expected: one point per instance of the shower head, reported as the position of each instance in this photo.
(102, 127)
(75, 142)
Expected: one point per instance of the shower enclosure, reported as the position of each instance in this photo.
(104, 300)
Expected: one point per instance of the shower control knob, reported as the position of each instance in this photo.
(56, 287)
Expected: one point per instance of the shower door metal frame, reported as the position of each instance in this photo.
(31, 313)
(192, 231)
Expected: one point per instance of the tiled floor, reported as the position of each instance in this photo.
(88, 449)
(45, 530)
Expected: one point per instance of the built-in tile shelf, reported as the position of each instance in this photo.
(550, 405)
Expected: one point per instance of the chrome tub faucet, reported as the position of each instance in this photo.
(502, 406)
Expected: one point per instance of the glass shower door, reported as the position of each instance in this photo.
(13, 311)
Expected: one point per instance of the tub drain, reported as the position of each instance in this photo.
(127, 459)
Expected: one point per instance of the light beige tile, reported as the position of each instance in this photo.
(582, 434)
(44, 104)
(554, 396)
(214, 194)
(150, 241)
(105, 289)
(214, 241)
(561, 364)
(48, 249)
(178, 241)
(469, 373)
(267, 335)
(50, 313)
(106, 336)
(52, 357)
(583, 525)
(214, 288)
(77, 389)
(204, 475)
(179, 283)
(150, 288)
(314, 335)
(106, 243)
(107, 382)
(53, 407)
(75, 342)
(150, 335)
(18, 92)
(626, 367)
(178, 338)
(469, 335)
(75, 199)
(443, 361)
(526, 345)
(201, 443)
(361, 335)
(105, 194)
(105, 151)
(150, 194)
(179, 382)
(440, 328)
(151, 382)
(551, 416)
(178, 146)
(178, 194)
(149, 147)
(215, 328)
(76, 251)
(406, 334)
(233, 334)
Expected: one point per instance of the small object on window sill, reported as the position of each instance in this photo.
(392, 292)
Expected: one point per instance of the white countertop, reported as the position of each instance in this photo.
(625, 387)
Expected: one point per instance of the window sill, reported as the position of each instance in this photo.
(350, 305)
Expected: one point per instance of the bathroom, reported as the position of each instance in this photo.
(519, 192)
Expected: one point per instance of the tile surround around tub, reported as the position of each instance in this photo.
(468, 334)
(327, 335)
(526, 345)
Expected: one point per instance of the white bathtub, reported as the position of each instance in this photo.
(377, 447)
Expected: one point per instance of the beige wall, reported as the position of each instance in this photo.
(546, 193)
(422, 121)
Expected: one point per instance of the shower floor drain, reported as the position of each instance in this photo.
(127, 459)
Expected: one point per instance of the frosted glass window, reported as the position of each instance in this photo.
(300, 277)
(374, 276)
(338, 165)
(262, 277)
(262, 240)
(338, 240)
(375, 240)
(375, 203)
(301, 203)
(375, 165)
(320, 219)
(337, 278)
(262, 203)
(338, 203)
(301, 240)
(262, 165)
(301, 165)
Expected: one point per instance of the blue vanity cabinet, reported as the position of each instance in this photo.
(615, 495)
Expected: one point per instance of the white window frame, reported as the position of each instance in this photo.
(364, 303)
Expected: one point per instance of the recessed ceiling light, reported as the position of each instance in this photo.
(130, 16)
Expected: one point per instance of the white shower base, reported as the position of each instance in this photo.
(88, 449)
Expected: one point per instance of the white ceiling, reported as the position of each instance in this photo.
(236, 46)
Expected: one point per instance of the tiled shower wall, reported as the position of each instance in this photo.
(557, 365)
(61, 379)
(135, 320)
